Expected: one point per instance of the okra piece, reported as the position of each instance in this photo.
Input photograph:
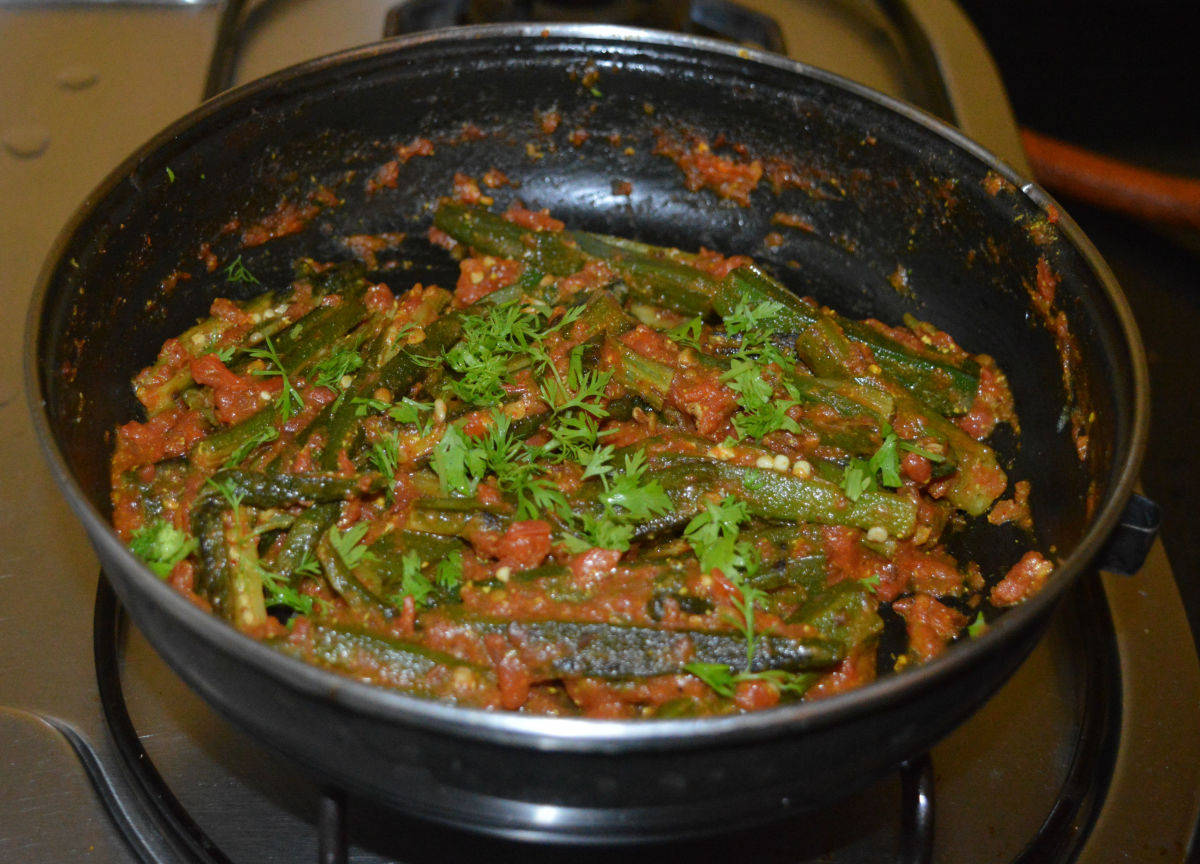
(586, 649)
(156, 386)
(341, 578)
(455, 517)
(947, 385)
(228, 576)
(645, 378)
(259, 489)
(979, 479)
(845, 612)
(353, 650)
(302, 537)
(661, 280)
(771, 494)
(552, 252)
(397, 376)
(211, 582)
(219, 447)
(752, 287)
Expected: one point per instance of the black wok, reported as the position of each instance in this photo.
(892, 196)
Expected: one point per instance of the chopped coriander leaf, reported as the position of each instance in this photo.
(536, 495)
(413, 582)
(857, 479)
(511, 332)
(598, 462)
(883, 468)
(281, 593)
(161, 546)
(333, 369)
(604, 532)
(457, 463)
(712, 534)
(409, 411)
(761, 412)
(289, 401)
(747, 598)
(264, 435)
(886, 460)
(582, 390)
(631, 492)
(765, 419)
(366, 405)
(753, 480)
(448, 575)
(228, 490)
(308, 566)
(723, 680)
(385, 458)
(574, 438)
(688, 333)
(753, 322)
(719, 677)
(347, 545)
(237, 272)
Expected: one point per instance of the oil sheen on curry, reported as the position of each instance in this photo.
(597, 478)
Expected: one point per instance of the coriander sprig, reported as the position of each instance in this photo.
(724, 680)
(290, 401)
(750, 374)
(161, 546)
(348, 545)
(883, 468)
(713, 536)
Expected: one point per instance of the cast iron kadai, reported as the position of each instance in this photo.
(887, 190)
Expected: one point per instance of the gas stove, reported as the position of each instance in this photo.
(1088, 754)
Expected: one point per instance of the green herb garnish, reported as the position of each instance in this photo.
(347, 545)
(289, 401)
(161, 546)
(237, 272)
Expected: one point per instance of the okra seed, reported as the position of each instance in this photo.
(439, 410)
(503, 574)
(781, 462)
(764, 462)
(802, 468)
(877, 534)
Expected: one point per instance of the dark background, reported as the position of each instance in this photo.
(1121, 79)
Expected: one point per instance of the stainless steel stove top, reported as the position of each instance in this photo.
(1088, 754)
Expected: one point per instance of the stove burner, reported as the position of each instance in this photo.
(720, 18)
